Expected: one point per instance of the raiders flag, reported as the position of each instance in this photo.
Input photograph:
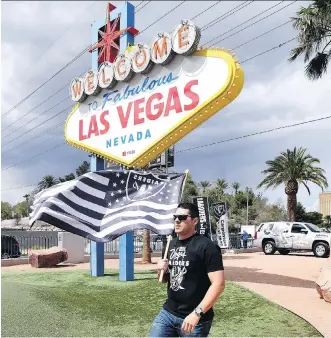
(203, 226)
(220, 212)
(104, 205)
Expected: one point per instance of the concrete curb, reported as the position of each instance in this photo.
(25, 260)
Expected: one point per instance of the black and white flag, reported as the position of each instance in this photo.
(104, 205)
(220, 211)
(203, 227)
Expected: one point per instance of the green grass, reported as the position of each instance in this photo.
(71, 303)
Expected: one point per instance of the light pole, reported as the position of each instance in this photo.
(26, 196)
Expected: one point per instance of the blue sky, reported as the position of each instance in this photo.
(38, 38)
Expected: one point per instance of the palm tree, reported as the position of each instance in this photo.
(293, 168)
(221, 185)
(47, 182)
(314, 36)
(204, 185)
(328, 220)
(236, 186)
(147, 256)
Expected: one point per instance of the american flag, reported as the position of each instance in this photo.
(104, 205)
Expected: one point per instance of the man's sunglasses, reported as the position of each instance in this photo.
(181, 217)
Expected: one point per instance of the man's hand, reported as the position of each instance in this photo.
(162, 265)
(190, 323)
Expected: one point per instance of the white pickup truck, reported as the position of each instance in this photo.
(285, 237)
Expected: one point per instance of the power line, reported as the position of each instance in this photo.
(32, 148)
(163, 16)
(252, 24)
(65, 109)
(31, 158)
(224, 16)
(34, 118)
(32, 138)
(142, 6)
(44, 83)
(22, 186)
(60, 36)
(258, 36)
(206, 10)
(254, 134)
(268, 50)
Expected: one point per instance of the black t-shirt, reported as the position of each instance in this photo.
(190, 261)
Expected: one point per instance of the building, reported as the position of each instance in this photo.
(325, 203)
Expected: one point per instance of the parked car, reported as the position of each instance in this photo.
(285, 237)
(10, 248)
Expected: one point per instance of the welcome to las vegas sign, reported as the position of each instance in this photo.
(133, 109)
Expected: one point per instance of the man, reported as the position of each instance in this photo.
(244, 238)
(195, 275)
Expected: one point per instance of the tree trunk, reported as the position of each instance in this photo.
(291, 206)
(147, 258)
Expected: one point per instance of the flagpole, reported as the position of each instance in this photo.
(165, 256)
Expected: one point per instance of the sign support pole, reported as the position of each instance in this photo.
(126, 254)
(97, 250)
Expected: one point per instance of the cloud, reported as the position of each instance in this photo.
(276, 93)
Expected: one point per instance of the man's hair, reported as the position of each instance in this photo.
(194, 211)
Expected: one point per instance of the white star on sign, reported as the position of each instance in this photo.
(117, 200)
(150, 187)
(114, 184)
(160, 199)
(119, 191)
(122, 182)
(112, 194)
(118, 175)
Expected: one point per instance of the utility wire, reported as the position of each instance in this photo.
(46, 121)
(60, 36)
(31, 158)
(254, 134)
(22, 186)
(226, 15)
(44, 83)
(206, 10)
(32, 138)
(32, 148)
(268, 50)
(252, 24)
(35, 117)
(137, 10)
(258, 36)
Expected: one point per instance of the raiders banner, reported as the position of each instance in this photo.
(203, 227)
(220, 212)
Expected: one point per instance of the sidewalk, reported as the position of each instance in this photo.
(286, 280)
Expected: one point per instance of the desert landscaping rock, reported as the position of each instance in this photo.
(47, 257)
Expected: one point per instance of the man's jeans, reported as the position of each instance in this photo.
(166, 324)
